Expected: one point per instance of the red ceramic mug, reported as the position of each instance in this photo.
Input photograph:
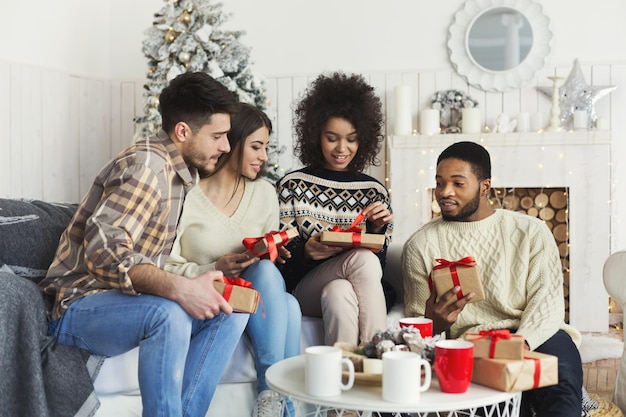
(454, 362)
(423, 324)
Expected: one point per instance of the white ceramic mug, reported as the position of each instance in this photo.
(402, 377)
(323, 371)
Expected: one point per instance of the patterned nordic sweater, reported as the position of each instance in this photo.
(519, 266)
(316, 200)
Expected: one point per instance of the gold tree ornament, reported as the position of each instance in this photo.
(170, 36)
(185, 17)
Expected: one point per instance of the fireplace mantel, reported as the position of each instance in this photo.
(577, 160)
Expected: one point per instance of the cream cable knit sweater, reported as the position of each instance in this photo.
(519, 266)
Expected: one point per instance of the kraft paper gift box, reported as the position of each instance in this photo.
(463, 273)
(242, 299)
(497, 344)
(370, 241)
(536, 370)
(260, 246)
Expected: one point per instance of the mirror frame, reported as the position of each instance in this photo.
(498, 81)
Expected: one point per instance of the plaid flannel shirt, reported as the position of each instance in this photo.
(128, 217)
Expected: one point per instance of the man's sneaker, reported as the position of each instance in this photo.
(268, 404)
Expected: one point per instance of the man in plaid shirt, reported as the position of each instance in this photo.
(106, 291)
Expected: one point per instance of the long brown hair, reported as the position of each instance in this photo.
(245, 122)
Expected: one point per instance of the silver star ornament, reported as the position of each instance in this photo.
(576, 94)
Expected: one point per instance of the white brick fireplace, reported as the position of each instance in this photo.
(577, 160)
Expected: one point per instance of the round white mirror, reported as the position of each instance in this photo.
(497, 47)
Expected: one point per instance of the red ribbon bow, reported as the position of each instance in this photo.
(230, 282)
(496, 336)
(443, 263)
(240, 282)
(272, 246)
(354, 229)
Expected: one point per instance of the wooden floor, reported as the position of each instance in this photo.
(599, 376)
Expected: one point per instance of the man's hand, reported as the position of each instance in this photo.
(444, 316)
(233, 264)
(314, 250)
(199, 298)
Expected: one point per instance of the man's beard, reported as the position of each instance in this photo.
(468, 210)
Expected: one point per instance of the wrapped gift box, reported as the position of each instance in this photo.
(260, 246)
(534, 371)
(497, 344)
(242, 299)
(464, 273)
(370, 241)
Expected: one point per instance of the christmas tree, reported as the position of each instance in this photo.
(186, 36)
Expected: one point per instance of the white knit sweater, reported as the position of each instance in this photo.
(519, 266)
(205, 234)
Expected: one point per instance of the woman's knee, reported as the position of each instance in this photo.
(338, 292)
(264, 272)
(367, 260)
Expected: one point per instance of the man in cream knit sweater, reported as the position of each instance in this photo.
(520, 270)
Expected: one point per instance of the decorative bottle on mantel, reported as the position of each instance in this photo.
(555, 110)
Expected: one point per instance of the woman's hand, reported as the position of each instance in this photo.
(314, 250)
(283, 254)
(233, 264)
(378, 214)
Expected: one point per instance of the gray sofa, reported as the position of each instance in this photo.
(29, 233)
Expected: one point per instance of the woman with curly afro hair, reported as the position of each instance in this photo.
(339, 125)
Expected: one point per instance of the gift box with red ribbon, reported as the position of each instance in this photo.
(267, 245)
(536, 370)
(463, 273)
(497, 344)
(239, 294)
(353, 237)
(353, 240)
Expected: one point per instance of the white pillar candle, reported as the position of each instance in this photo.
(602, 123)
(523, 122)
(429, 122)
(470, 120)
(536, 122)
(402, 123)
(580, 120)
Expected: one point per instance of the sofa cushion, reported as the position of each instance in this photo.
(393, 270)
(29, 234)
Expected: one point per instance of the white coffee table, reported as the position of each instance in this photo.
(287, 377)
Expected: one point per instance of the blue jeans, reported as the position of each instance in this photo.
(181, 359)
(565, 398)
(274, 329)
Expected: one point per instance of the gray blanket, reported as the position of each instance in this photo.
(38, 377)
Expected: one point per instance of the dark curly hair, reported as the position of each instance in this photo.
(339, 95)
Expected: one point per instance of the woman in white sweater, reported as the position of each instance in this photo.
(224, 208)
